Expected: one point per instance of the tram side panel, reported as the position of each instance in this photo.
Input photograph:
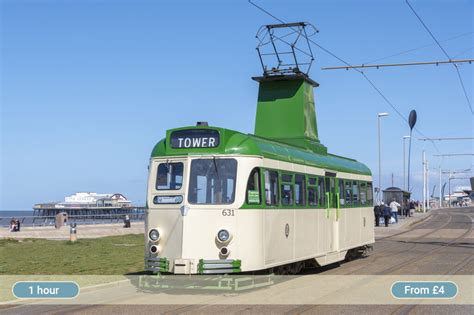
(306, 233)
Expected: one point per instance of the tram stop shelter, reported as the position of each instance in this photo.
(401, 196)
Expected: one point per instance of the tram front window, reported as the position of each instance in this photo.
(169, 176)
(212, 181)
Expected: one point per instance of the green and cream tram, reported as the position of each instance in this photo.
(220, 201)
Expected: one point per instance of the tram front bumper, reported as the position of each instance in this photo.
(157, 264)
(185, 266)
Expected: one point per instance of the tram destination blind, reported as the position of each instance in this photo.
(194, 138)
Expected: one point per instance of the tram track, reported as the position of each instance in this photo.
(430, 252)
(406, 309)
(414, 224)
(375, 257)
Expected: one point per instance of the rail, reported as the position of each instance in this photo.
(78, 219)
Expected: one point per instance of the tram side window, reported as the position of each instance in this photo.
(271, 188)
(348, 192)
(363, 193)
(312, 196)
(370, 194)
(253, 188)
(286, 194)
(341, 192)
(321, 192)
(355, 193)
(300, 190)
(286, 191)
(169, 176)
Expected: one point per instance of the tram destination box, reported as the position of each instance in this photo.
(194, 138)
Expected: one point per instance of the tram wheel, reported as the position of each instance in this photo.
(296, 267)
(283, 270)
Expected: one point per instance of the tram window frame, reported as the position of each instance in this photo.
(321, 191)
(268, 193)
(355, 202)
(170, 170)
(300, 181)
(348, 189)
(370, 197)
(312, 188)
(363, 192)
(254, 175)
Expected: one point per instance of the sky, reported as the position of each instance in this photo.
(88, 87)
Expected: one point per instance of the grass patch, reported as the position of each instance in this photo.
(113, 255)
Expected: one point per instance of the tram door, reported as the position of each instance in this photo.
(331, 208)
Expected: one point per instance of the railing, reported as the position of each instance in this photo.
(78, 219)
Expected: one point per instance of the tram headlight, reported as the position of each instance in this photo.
(223, 236)
(154, 235)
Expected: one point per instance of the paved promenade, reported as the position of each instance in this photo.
(403, 224)
(83, 231)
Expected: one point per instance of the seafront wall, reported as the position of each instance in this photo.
(83, 231)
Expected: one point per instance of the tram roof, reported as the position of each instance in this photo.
(234, 142)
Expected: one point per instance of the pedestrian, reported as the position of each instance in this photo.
(394, 207)
(126, 221)
(412, 208)
(378, 214)
(13, 225)
(17, 229)
(386, 214)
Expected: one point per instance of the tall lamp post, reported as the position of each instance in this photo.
(380, 155)
(411, 123)
(404, 163)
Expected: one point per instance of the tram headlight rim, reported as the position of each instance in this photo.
(154, 239)
(221, 240)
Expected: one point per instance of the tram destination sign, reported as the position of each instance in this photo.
(194, 138)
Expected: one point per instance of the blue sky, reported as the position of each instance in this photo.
(88, 87)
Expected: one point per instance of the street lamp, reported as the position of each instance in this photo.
(404, 163)
(380, 164)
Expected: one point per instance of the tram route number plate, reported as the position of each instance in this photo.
(194, 138)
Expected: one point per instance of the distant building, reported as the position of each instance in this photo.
(400, 196)
(87, 203)
(94, 199)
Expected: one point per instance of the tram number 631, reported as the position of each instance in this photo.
(228, 213)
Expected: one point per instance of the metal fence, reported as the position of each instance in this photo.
(78, 219)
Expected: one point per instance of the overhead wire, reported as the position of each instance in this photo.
(463, 52)
(445, 53)
(421, 47)
(371, 83)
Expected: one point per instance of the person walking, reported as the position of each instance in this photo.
(377, 214)
(386, 214)
(13, 225)
(394, 208)
(412, 208)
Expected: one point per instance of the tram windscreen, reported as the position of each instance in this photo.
(212, 181)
